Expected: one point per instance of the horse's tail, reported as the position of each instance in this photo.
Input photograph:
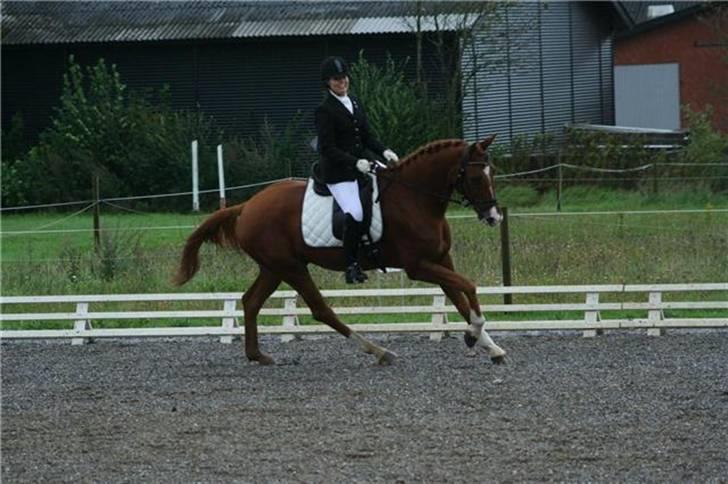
(219, 229)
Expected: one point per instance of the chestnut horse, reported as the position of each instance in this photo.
(414, 196)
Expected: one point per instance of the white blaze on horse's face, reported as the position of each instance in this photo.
(494, 217)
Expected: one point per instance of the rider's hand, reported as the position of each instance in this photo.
(363, 166)
(391, 157)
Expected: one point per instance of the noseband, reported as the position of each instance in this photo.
(480, 206)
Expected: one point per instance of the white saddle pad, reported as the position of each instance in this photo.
(318, 212)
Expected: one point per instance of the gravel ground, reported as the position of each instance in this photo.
(620, 407)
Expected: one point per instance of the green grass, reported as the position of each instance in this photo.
(142, 250)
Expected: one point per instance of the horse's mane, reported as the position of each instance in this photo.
(428, 149)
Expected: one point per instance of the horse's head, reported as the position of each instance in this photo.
(476, 182)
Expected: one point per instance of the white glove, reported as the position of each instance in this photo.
(363, 166)
(390, 156)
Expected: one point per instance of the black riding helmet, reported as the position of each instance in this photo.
(332, 67)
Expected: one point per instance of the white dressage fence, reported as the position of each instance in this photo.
(591, 316)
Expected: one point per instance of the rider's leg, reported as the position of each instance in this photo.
(347, 196)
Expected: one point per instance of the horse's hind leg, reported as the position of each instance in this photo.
(253, 300)
(301, 281)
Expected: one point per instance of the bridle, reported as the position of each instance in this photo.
(460, 185)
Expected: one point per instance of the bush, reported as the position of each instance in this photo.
(275, 153)
(402, 116)
(706, 146)
(99, 128)
(14, 186)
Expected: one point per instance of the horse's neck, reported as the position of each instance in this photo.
(430, 179)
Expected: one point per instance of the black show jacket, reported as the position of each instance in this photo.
(343, 138)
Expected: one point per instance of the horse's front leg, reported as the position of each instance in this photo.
(462, 293)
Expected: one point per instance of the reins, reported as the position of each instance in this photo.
(458, 185)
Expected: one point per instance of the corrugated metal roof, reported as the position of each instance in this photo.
(638, 11)
(35, 22)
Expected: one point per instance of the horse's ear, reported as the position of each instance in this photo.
(487, 142)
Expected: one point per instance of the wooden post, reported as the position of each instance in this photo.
(221, 176)
(97, 214)
(654, 316)
(591, 316)
(290, 320)
(229, 321)
(195, 179)
(81, 324)
(654, 178)
(559, 187)
(439, 318)
(506, 254)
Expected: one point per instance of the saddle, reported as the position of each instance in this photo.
(366, 189)
(322, 220)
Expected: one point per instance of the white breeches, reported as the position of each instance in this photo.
(347, 196)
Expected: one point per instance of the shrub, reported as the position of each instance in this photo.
(706, 146)
(100, 128)
(402, 116)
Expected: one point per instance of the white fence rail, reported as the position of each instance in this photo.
(591, 316)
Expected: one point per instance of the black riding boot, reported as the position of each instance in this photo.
(352, 237)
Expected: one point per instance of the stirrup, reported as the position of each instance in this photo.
(354, 274)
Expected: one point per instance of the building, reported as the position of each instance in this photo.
(675, 57)
(546, 63)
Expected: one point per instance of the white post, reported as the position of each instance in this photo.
(221, 176)
(291, 319)
(195, 179)
(654, 316)
(229, 321)
(81, 324)
(439, 317)
(592, 316)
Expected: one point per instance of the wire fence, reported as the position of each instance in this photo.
(516, 176)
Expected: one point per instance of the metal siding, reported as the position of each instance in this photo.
(34, 94)
(526, 105)
(486, 106)
(556, 45)
(587, 73)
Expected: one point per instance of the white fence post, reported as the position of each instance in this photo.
(592, 316)
(289, 320)
(229, 321)
(81, 324)
(221, 177)
(439, 318)
(195, 179)
(655, 315)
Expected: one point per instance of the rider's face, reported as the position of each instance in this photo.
(339, 84)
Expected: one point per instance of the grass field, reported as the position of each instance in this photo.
(140, 250)
(52, 253)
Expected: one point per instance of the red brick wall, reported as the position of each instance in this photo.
(703, 70)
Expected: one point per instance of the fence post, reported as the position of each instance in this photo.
(506, 254)
(439, 318)
(592, 315)
(559, 186)
(221, 177)
(81, 324)
(654, 316)
(195, 179)
(290, 320)
(654, 178)
(97, 214)
(229, 321)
